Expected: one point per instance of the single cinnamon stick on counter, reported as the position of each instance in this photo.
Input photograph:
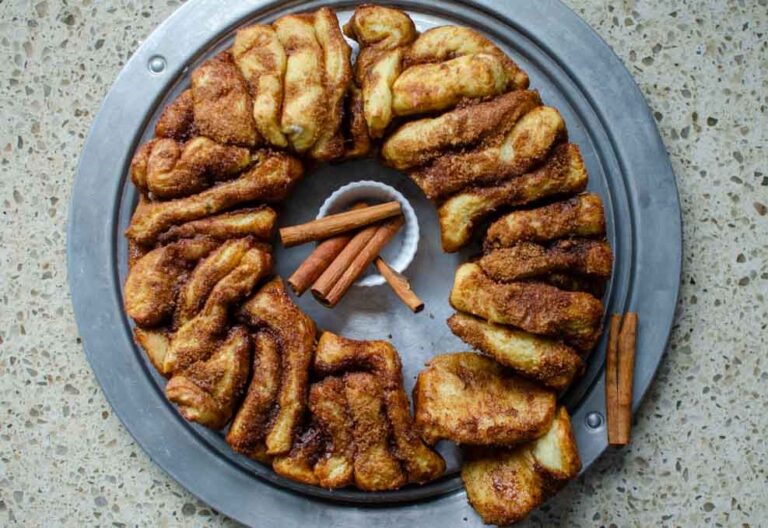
(325, 282)
(627, 343)
(612, 380)
(319, 260)
(331, 225)
(400, 286)
(356, 268)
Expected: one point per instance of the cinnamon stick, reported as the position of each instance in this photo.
(319, 260)
(325, 282)
(399, 285)
(612, 380)
(627, 343)
(336, 224)
(363, 259)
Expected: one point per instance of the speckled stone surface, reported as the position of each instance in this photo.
(698, 456)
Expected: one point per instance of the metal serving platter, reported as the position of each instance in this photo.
(606, 115)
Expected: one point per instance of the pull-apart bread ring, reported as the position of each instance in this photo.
(454, 112)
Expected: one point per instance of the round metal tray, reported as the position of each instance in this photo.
(606, 115)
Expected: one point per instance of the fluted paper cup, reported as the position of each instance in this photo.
(401, 249)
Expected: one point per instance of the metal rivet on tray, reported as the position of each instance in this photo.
(156, 64)
(594, 420)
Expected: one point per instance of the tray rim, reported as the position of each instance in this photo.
(80, 282)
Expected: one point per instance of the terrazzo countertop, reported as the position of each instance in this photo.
(698, 455)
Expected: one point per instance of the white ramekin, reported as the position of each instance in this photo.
(402, 248)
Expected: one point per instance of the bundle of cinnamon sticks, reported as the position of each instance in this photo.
(619, 373)
(350, 242)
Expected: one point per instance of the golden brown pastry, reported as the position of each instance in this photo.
(150, 288)
(508, 154)
(445, 42)
(249, 428)
(377, 91)
(256, 222)
(304, 105)
(169, 169)
(502, 485)
(218, 264)
(545, 360)
(527, 260)
(298, 463)
(581, 216)
(535, 307)
(269, 180)
(137, 251)
(222, 104)
(178, 118)
(208, 390)
(377, 29)
(199, 336)
(336, 354)
(376, 26)
(354, 431)
(422, 140)
(139, 162)
(329, 407)
(261, 59)
(382, 33)
(338, 79)
(505, 485)
(426, 88)
(376, 468)
(471, 399)
(271, 307)
(562, 174)
(154, 342)
(556, 454)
